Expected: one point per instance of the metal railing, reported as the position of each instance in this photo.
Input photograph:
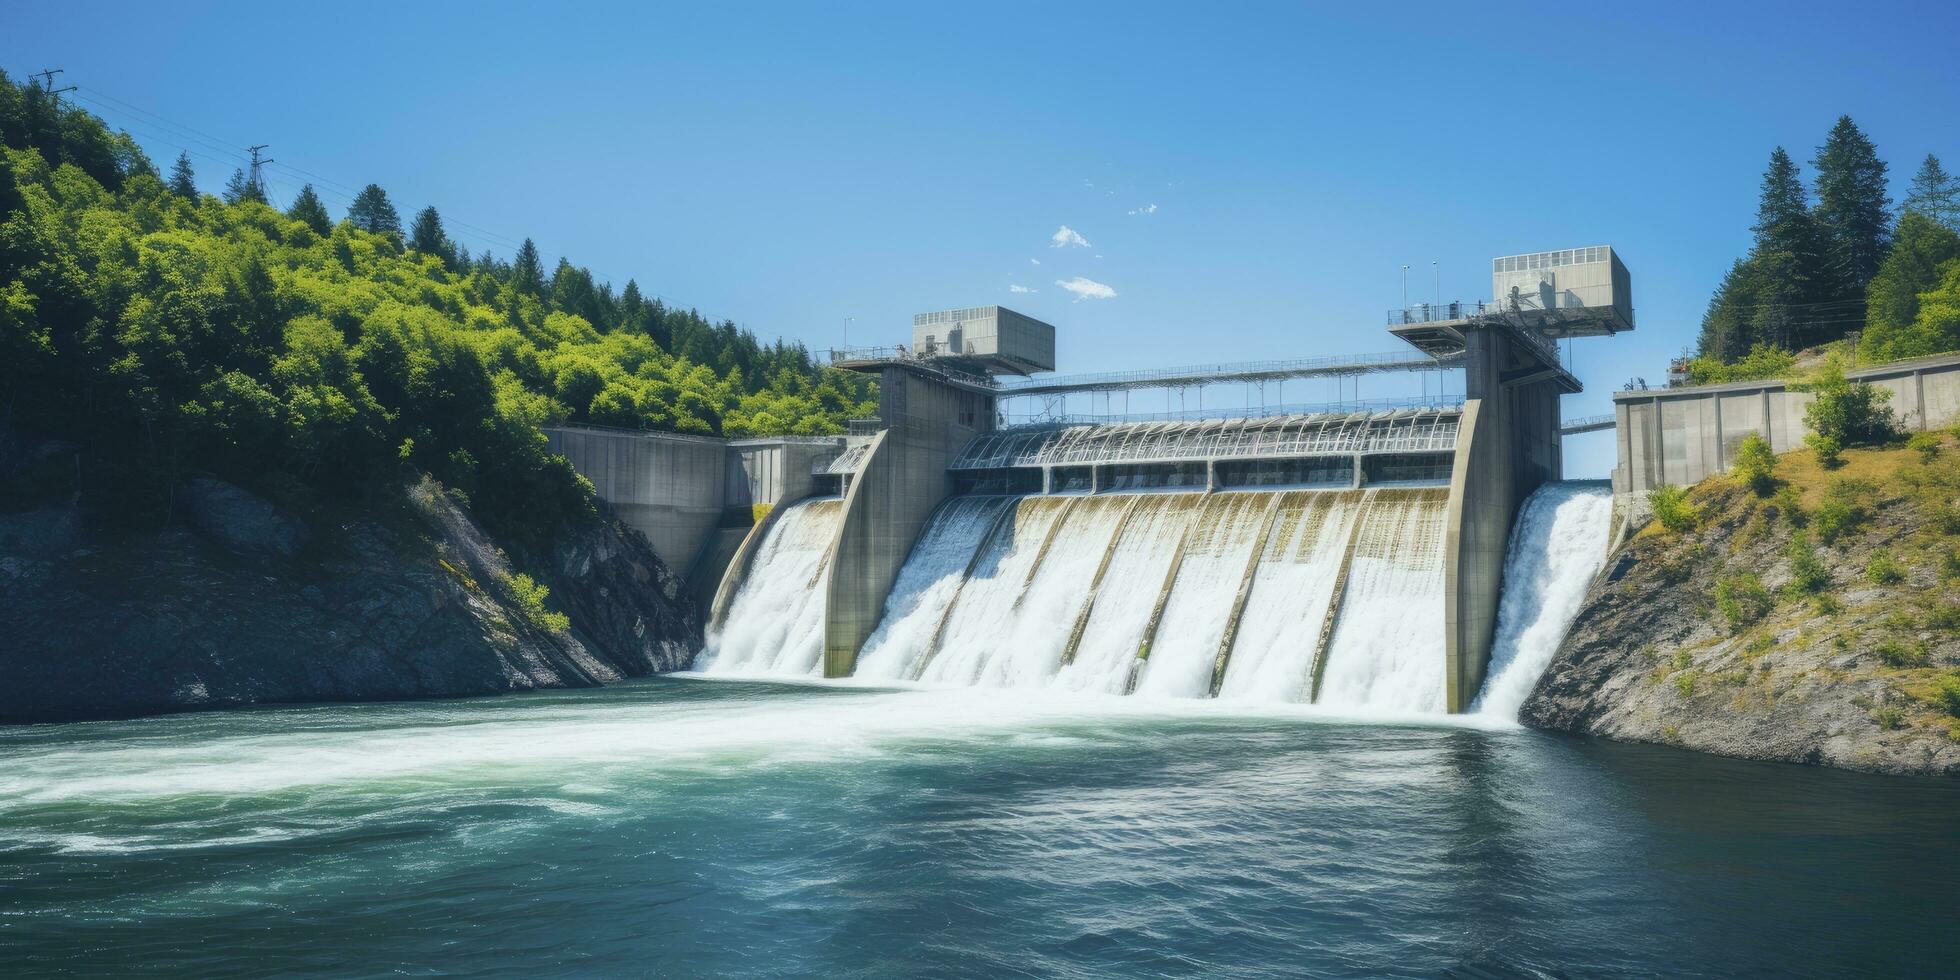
(1201, 374)
(912, 358)
(1586, 423)
(1369, 405)
(1435, 312)
(864, 427)
(1406, 430)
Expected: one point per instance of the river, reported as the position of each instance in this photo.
(682, 826)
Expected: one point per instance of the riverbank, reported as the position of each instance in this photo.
(241, 602)
(1818, 623)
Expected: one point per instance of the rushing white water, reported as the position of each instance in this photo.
(775, 623)
(1556, 548)
(1218, 552)
(1013, 620)
(1387, 652)
(1123, 602)
(927, 585)
(1272, 656)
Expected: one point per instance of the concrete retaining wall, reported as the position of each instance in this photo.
(692, 495)
(1685, 435)
(1507, 445)
(902, 479)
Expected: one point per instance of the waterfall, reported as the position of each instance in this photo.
(1387, 652)
(1145, 592)
(1556, 548)
(1272, 655)
(927, 585)
(1217, 551)
(1132, 584)
(775, 623)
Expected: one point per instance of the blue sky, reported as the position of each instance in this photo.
(788, 166)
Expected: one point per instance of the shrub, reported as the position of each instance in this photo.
(1943, 616)
(1897, 654)
(1827, 604)
(1846, 507)
(1883, 570)
(1684, 683)
(1789, 503)
(1889, 719)
(1845, 413)
(1742, 599)
(1808, 575)
(1947, 694)
(1755, 465)
(529, 596)
(1671, 508)
(1926, 444)
(1829, 449)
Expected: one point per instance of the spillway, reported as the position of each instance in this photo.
(1556, 548)
(1255, 595)
(1387, 652)
(774, 624)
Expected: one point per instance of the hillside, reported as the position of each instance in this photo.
(1817, 622)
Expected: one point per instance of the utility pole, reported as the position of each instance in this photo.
(46, 75)
(847, 333)
(1438, 271)
(1405, 291)
(257, 180)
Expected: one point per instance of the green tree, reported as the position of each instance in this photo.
(427, 236)
(373, 213)
(243, 188)
(1852, 206)
(1935, 194)
(1755, 465)
(1921, 250)
(1844, 413)
(308, 208)
(527, 271)
(183, 180)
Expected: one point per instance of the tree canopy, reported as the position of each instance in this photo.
(167, 334)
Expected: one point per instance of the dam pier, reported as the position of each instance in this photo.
(974, 533)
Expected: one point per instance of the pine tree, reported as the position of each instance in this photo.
(307, 207)
(242, 188)
(527, 272)
(1852, 207)
(183, 181)
(1935, 194)
(1921, 248)
(372, 212)
(1787, 270)
(427, 236)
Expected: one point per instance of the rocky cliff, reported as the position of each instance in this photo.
(1815, 623)
(238, 603)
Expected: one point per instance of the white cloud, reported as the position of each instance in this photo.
(1146, 209)
(1086, 288)
(1066, 236)
(1035, 261)
(1018, 288)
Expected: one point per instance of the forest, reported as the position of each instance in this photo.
(165, 332)
(1833, 264)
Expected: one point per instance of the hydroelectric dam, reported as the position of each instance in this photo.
(1351, 555)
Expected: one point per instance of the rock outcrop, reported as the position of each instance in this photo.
(243, 604)
(1674, 646)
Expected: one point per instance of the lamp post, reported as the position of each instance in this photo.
(1438, 271)
(1405, 291)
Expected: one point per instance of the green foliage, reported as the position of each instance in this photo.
(1742, 600)
(1946, 694)
(308, 210)
(1846, 508)
(373, 213)
(1755, 465)
(1789, 503)
(183, 180)
(1883, 569)
(171, 334)
(1808, 575)
(1829, 449)
(1935, 194)
(1672, 509)
(530, 599)
(1684, 683)
(1926, 444)
(1889, 718)
(1762, 361)
(1844, 413)
(1900, 654)
(1922, 251)
(1852, 203)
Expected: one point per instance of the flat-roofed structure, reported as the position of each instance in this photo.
(992, 339)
